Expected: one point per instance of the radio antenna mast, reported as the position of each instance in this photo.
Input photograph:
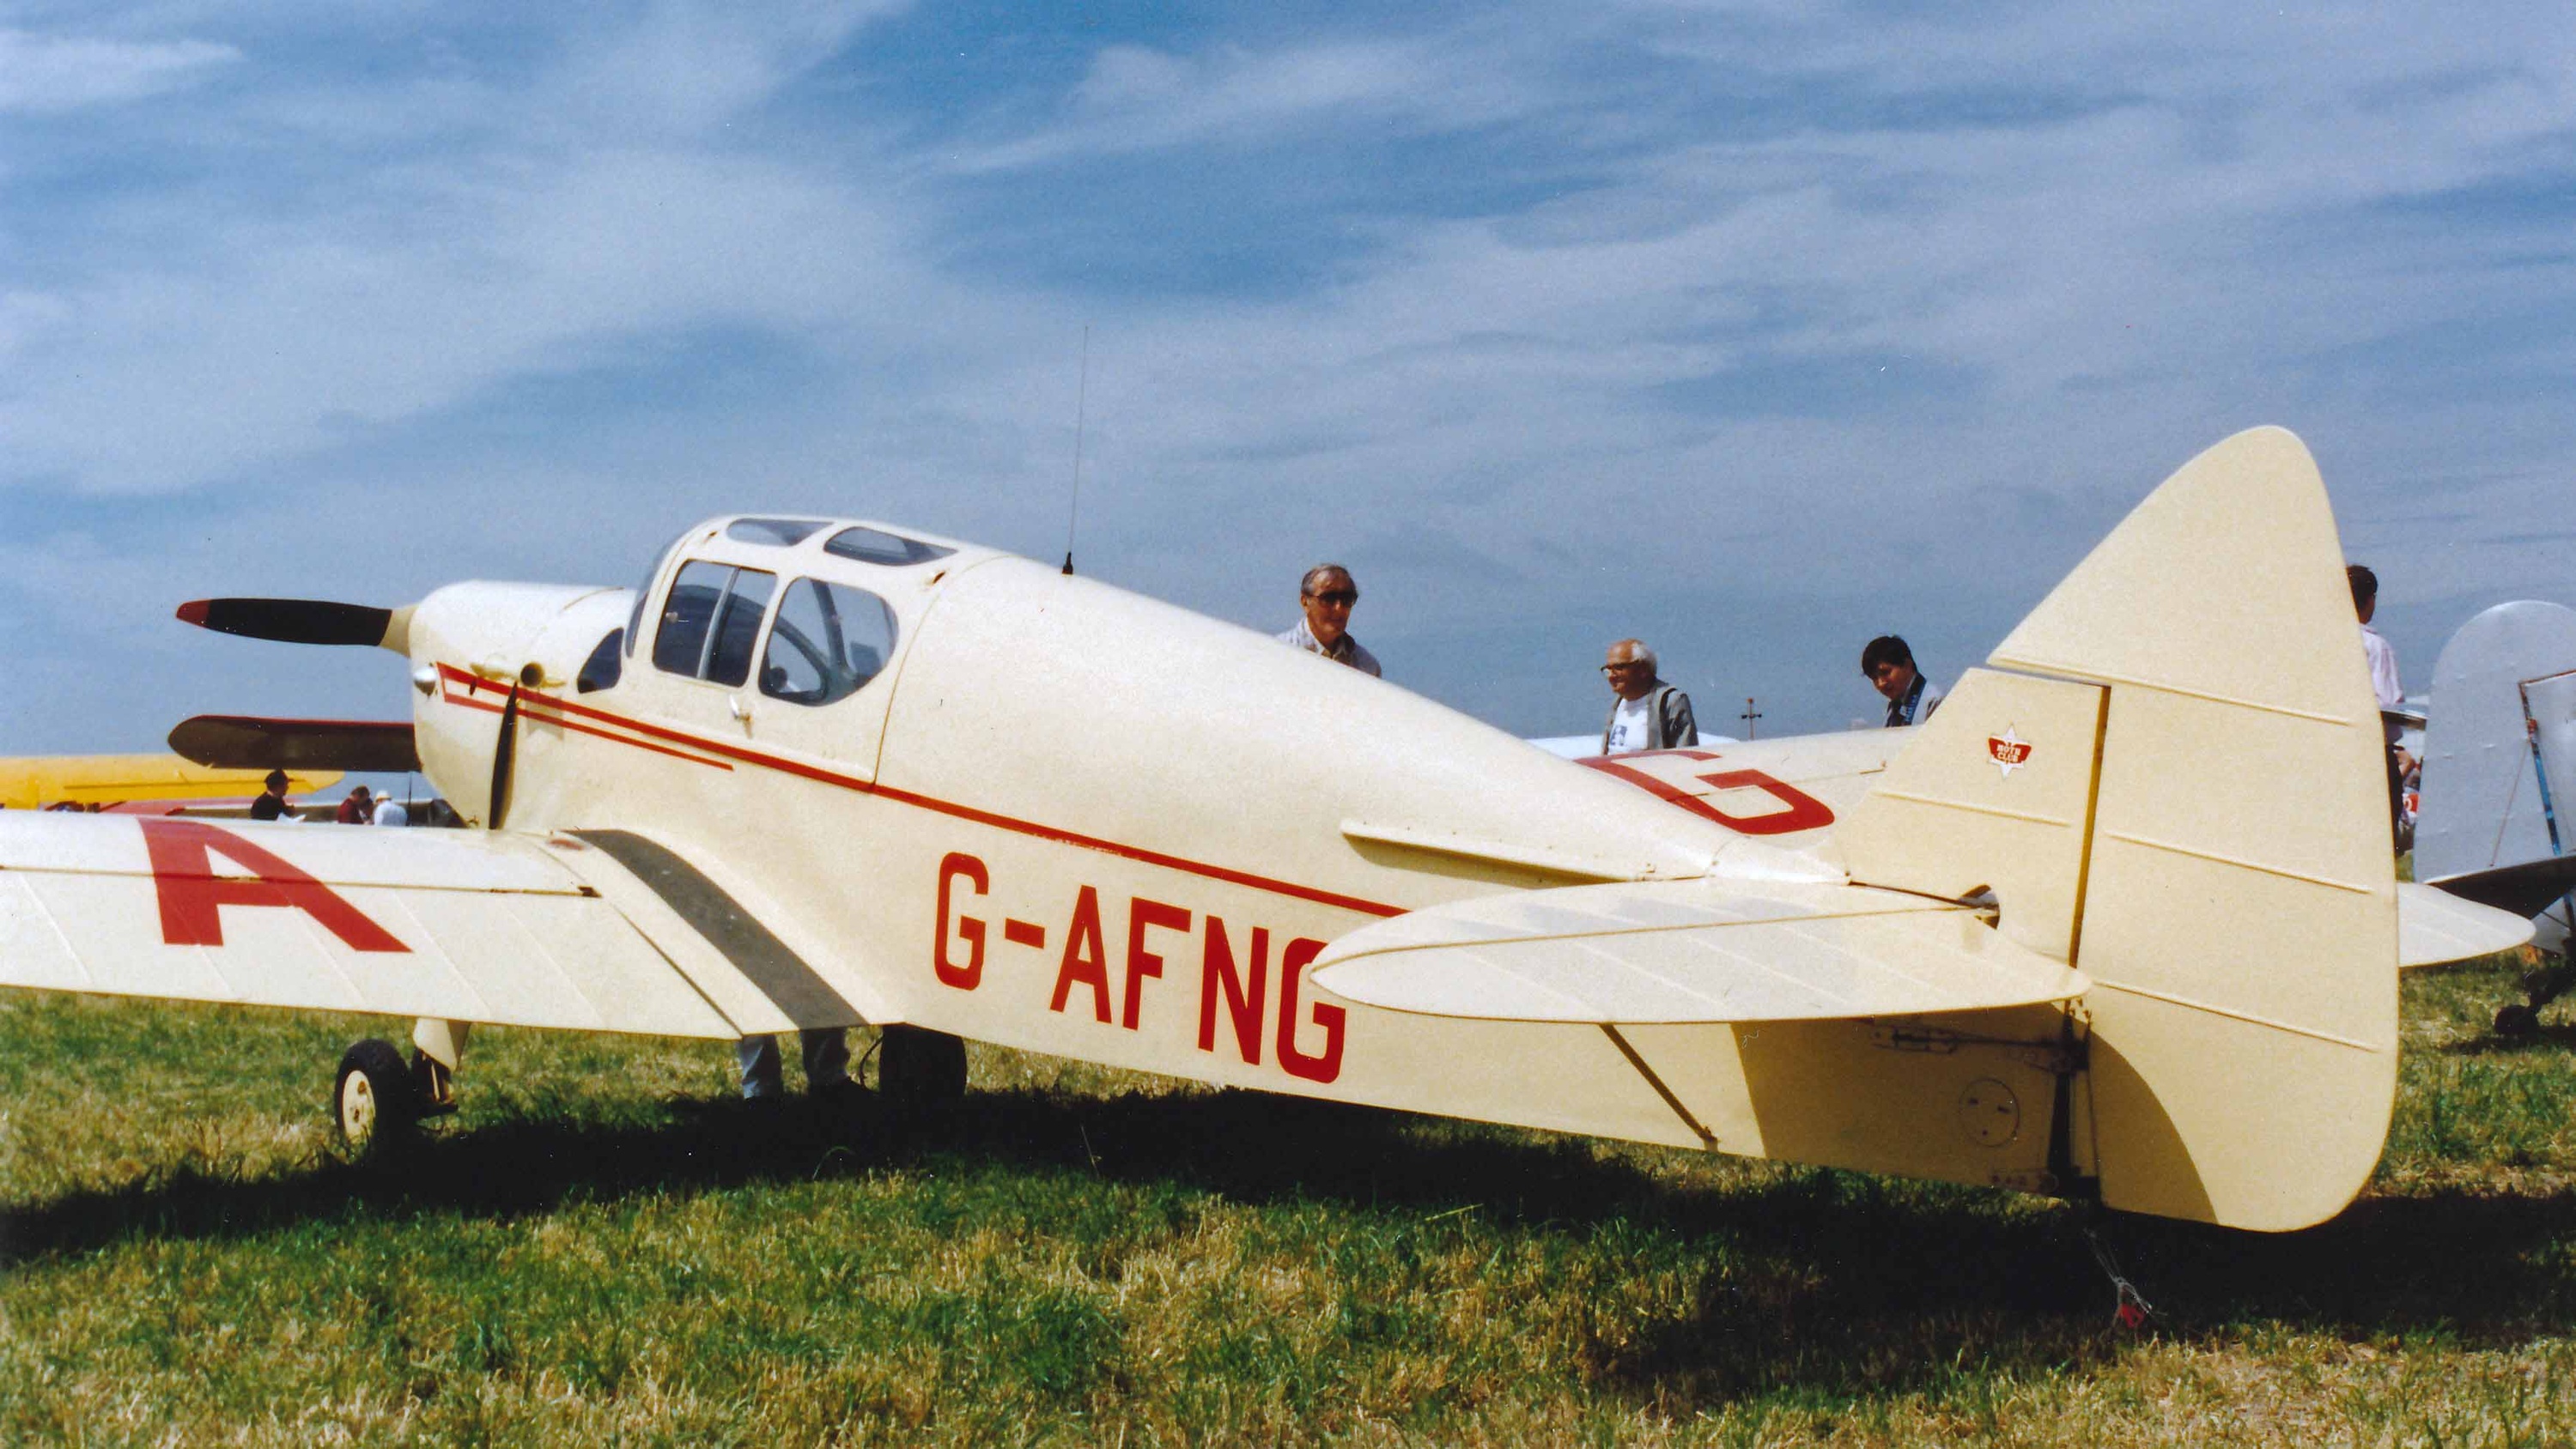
(1081, 406)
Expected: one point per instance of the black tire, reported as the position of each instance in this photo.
(2516, 1020)
(919, 1068)
(375, 1100)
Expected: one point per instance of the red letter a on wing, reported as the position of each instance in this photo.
(190, 890)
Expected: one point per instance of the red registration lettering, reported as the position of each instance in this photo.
(1800, 810)
(1142, 963)
(1327, 1064)
(970, 930)
(191, 894)
(1084, 960)
(1243, 996)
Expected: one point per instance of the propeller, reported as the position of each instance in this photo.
(504, 751)
(247, 742)
(301, 621)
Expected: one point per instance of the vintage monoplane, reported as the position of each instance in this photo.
(819, 773)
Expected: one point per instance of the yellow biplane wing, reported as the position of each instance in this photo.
(31, 782)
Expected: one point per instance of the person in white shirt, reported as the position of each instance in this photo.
(1645, 712)
(1326, 596)
(390, 811)
(2383, 680)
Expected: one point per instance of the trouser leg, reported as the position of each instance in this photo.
(762, 1075)
(827, 1056)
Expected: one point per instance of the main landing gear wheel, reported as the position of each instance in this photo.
(918, 1068)
(375, 1102)
(2541, 987)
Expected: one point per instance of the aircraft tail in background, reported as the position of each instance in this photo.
(2498, 818)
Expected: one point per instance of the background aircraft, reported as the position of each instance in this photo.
(32, 782)
(2500, 778)
(823, 773)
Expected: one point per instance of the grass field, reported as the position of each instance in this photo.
(605, 1247)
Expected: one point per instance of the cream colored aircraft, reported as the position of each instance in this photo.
(827, 773)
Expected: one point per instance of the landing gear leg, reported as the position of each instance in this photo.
(2540, 987)
(437, 1046)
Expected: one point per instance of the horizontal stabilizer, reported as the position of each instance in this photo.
(301, 621)
(246, 742)
(2433, 927)
(1678, 952)
(2525, 890)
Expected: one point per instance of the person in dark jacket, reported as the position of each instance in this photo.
(271, 804)
(1645, 712)
(1888, 663)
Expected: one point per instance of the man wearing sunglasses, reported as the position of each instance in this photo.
(1327, 595)
(1645, 712)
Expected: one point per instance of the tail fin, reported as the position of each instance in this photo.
(2180, 791)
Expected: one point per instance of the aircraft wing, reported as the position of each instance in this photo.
(467, 926)
(33, 782)
(2525, 889)
(245, 742)
(1635, 953)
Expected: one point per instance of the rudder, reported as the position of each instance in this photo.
(2232, 894)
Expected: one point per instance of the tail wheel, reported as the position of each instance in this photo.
(375, 1102)
(920, 1068)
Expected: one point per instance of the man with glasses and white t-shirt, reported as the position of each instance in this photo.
(1646, 713)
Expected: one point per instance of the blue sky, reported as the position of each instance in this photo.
(1754, 329)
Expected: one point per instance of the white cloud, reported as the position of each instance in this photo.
(681, 68)
(42, 74)
(279, 340)
(1135, 98)
(1786, 299)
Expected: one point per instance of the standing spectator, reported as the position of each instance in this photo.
(356, 808)
(1645, 712)
(1888, 664)
(271, 804)
(826, 1051)
(390, 811)
(1327, 594)
(2383, 682)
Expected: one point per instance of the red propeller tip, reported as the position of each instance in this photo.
(193, 612)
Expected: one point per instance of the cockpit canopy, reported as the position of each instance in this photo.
(726, 618)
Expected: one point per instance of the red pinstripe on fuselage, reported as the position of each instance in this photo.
(465, 688)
